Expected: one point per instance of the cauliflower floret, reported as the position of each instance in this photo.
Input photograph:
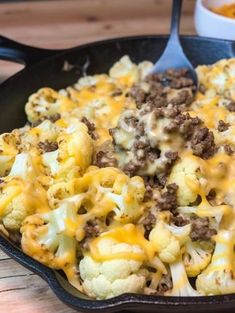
(86, 81)
(145, 68)
(44, 132)
(125, 71)
(50, 239)
(14, 207)
(219, 277)
(196, 257)
(124, 134)
(111, 278)
(47, 103)
(218, 78)
(167, 240)
(74, 153)
(181, 285)
(15, 202)
(8, 151)
(22, 166)
(127, 194)
(107, 188)
(217, 215)
(184, 173)
(95, 183)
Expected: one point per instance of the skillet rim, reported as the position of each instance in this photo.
(125, 301)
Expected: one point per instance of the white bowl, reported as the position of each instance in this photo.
(210, 24)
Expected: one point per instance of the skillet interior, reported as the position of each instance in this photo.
(97, 58)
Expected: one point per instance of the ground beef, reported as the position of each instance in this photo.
(222, 126)
(200, 139)
(145, 155)
(90, 126)
(137, 94)
(184, 124)
(148, 193)
(201, 229)
(151, 182)
(53, 118)
(159, 86)
(202, 89)
(47, 146)
(148, 222)
(172, 156)
(228, 149)
(132, 167)
(179, 220)
(231, 106)
(92, 230)
(168, 199)
(117, 92)
(211, 195)
(131, 121)
(164, 102)
(183, 97)
(176, 79)
(105, 157)
(202, 143)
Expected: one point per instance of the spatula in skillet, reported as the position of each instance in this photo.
(173, 56)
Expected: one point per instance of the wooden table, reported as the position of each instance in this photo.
(63, 24)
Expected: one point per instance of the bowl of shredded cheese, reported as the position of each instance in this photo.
(215, 18)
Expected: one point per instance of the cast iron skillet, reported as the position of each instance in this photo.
(46, 68)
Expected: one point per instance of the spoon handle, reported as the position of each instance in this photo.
(175, 18)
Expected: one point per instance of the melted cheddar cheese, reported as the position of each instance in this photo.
(49, 170)
(227, 10)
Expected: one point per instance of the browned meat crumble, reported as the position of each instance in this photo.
(200, 227)
(47, 146)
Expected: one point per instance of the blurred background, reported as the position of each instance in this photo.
(67, 23)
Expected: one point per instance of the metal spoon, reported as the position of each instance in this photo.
(173, 56)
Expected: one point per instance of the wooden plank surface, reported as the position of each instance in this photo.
(63, 24)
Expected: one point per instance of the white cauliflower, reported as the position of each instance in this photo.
(145, 68)
(218, 78)
(125, 70)
(14, 199)
(185, 173)
(217, 215)
(86, 81)
(127, 194)
(219, 277)
(102, 280)
(124, 135)
(8, 150)
(44, 132)
(14, 207)
(47, 102)
(196, 257)
(50, 239)
(107, 188)
(129, 72)
(21, 166)
(181, 285)
(168, 239)
(74, 153)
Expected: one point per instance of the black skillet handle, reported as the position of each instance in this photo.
(14, 51)
(233, 48)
